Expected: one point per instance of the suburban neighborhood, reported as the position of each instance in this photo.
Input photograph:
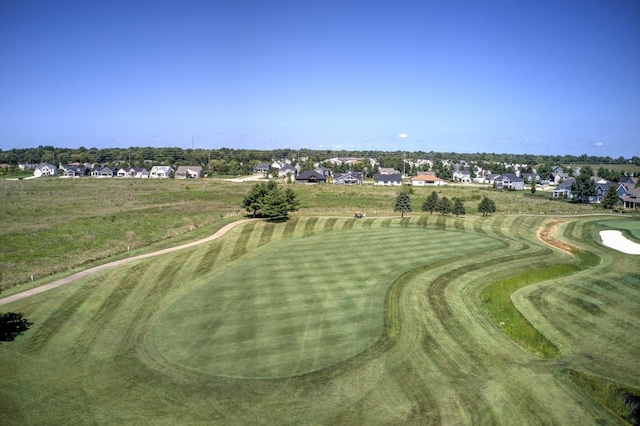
(383, 171)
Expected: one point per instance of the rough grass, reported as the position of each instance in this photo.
(53, 225)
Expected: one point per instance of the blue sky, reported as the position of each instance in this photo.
(538, 77)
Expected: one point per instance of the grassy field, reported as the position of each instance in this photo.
(55, 225)
(332, 320)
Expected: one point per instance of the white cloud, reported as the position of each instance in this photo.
(598, 144)
(403, 135)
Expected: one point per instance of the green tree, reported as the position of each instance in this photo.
(430, 203)
(458, 207)
(533, 185)
(291, 200)
(611, 199)
(444, 206)
(12, 325)
(403, 203)
(486, 206)
(268, 199)
(583, 187)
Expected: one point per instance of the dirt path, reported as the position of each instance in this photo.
(76, 276)
(546, 233)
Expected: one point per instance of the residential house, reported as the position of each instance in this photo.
(44, 169)
(324, 171)
(558, 176)
(564, 189)
(311, 176)
(388, 171)
(261, 168)
(529, 177)
(277, 164)
(188, 172)
(160, 172)
(103, 172)
(71, 170)
(601, 191)
(631, 198)
(132, 172)
(139, 172)
(509, 181)
(427, 180)
(287, 170)
(348, 178)
(388, 179)
(490, 178)
(461, 175)
(626, 179)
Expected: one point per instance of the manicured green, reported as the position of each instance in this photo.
(347, 321)
(265, 317)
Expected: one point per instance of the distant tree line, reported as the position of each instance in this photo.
(230, 161)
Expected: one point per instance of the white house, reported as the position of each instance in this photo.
(45, 170)
(188, 172)
(160, 172)
(427, 180)
(388, 180)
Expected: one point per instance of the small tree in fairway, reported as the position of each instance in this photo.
(403, 203)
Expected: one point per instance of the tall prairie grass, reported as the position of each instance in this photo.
(496, 298)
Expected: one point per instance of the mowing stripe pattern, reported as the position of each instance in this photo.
(329, 320)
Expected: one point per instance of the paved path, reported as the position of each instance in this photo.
(70, 278)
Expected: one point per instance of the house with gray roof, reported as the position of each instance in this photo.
(188, 172)
(388, 179)
(509, 181)
(348, 178)
(564, 189)
(311, 176)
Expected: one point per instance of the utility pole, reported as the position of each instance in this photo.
(404, 157)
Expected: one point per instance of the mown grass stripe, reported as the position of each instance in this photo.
(242, 241)
(330, 224)
(309, 226)
(290, 229)
(267, 233)
(48, 329)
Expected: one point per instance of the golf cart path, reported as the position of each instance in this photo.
(81, 274)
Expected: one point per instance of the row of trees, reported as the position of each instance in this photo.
(240, 161)
(442, 205)
(173, 155)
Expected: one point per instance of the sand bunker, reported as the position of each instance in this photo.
(617, 241)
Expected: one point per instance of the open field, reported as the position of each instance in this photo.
(332, 320)
(56, 225)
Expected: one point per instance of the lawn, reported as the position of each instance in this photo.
(331, 320)
(263, 317)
